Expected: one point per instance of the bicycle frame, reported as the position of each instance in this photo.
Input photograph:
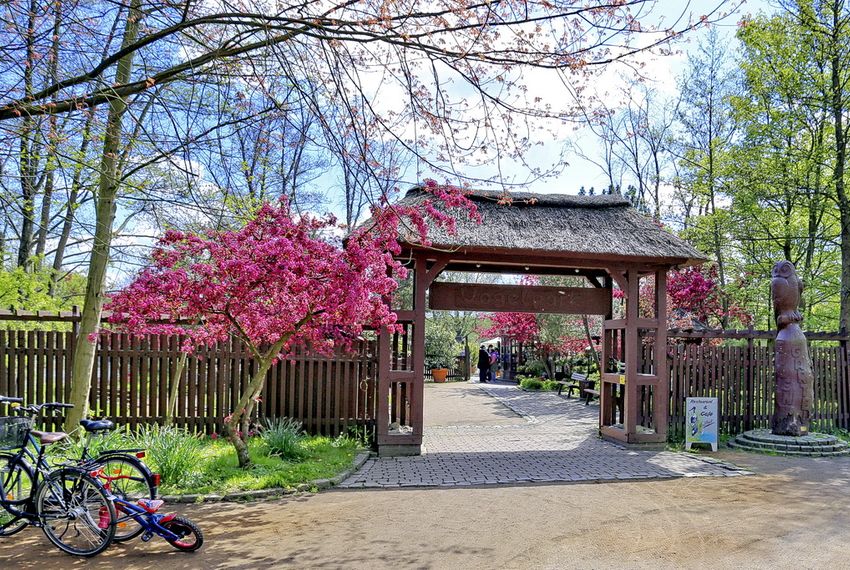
(38, 467)
(149, 521)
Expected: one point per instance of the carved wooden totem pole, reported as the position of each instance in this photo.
(794, 377)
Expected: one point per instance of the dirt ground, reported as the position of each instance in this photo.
(795, 513)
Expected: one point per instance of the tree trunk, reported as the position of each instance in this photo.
(237, 424)
(84, 351)
(171, 407)
(590, 344)
(28, 151)
(68, 223)
(840, 158)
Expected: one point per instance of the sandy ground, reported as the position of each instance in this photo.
(794, 514)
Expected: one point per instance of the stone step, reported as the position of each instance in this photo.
(837, 446)
(764, 435)
(842, 453)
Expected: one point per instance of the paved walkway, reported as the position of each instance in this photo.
(557, 442)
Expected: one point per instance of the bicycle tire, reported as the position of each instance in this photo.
(186, 529)
(138, 484)
(16, 482)
(72, 501)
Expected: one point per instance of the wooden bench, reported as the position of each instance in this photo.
(576, 384)
(590, 393)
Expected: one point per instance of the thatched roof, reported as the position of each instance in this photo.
(592, 226)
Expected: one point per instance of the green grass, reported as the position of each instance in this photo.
(217, 470)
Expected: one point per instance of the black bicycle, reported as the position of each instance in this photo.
(74, 509)
(130, 478)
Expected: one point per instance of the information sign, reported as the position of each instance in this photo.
(701, 417)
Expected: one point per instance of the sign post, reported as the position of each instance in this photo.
(701, 426)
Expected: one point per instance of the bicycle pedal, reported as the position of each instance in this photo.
(147, 536)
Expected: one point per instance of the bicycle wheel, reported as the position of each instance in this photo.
(75, 512)
(15, 492)
(130, 479)
(191, 537)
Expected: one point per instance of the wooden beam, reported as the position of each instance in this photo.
(619, 278)
(435, 269)
(514, 269)
(632, 347)
(520, 298)
(537, 258)
(661, 392)
(594, 280)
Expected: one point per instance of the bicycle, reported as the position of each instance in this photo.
(131, 478)
(73, 509)
(179, 532)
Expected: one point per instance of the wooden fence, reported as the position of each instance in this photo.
(132, 378)
(741, 377)
(133, 375)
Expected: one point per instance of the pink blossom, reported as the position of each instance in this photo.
(277, 280)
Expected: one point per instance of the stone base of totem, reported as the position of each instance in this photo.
(811, 445)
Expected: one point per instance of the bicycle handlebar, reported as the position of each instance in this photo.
(34, 409)
(11, 400)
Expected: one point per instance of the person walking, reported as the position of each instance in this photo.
(495, 363)
(483, 364)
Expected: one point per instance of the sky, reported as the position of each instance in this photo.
(661, 73)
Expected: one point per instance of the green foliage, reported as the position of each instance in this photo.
(440, 348)
(532, 368)
(359, 436)
(550, 385)
(172, 452)
(283, 437)
(30, 291)
(531, 384)
(783, 204)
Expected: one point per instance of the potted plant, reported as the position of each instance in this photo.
(439, 374)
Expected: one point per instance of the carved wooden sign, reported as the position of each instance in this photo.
(520, 298)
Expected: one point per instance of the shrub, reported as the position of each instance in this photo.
(173, 452)
(532, 368)
(551, 385)
(531, 384)
(283, 437)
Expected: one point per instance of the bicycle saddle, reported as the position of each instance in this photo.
(48, 437)
(97, 425)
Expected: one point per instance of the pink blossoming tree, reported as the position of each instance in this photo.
(277, 284)
(521, 327)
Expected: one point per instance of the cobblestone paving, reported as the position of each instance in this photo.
(557, 444)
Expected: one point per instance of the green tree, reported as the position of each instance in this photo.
(706, 131)
(786, 170)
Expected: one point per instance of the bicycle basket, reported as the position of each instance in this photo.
(13, 432)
